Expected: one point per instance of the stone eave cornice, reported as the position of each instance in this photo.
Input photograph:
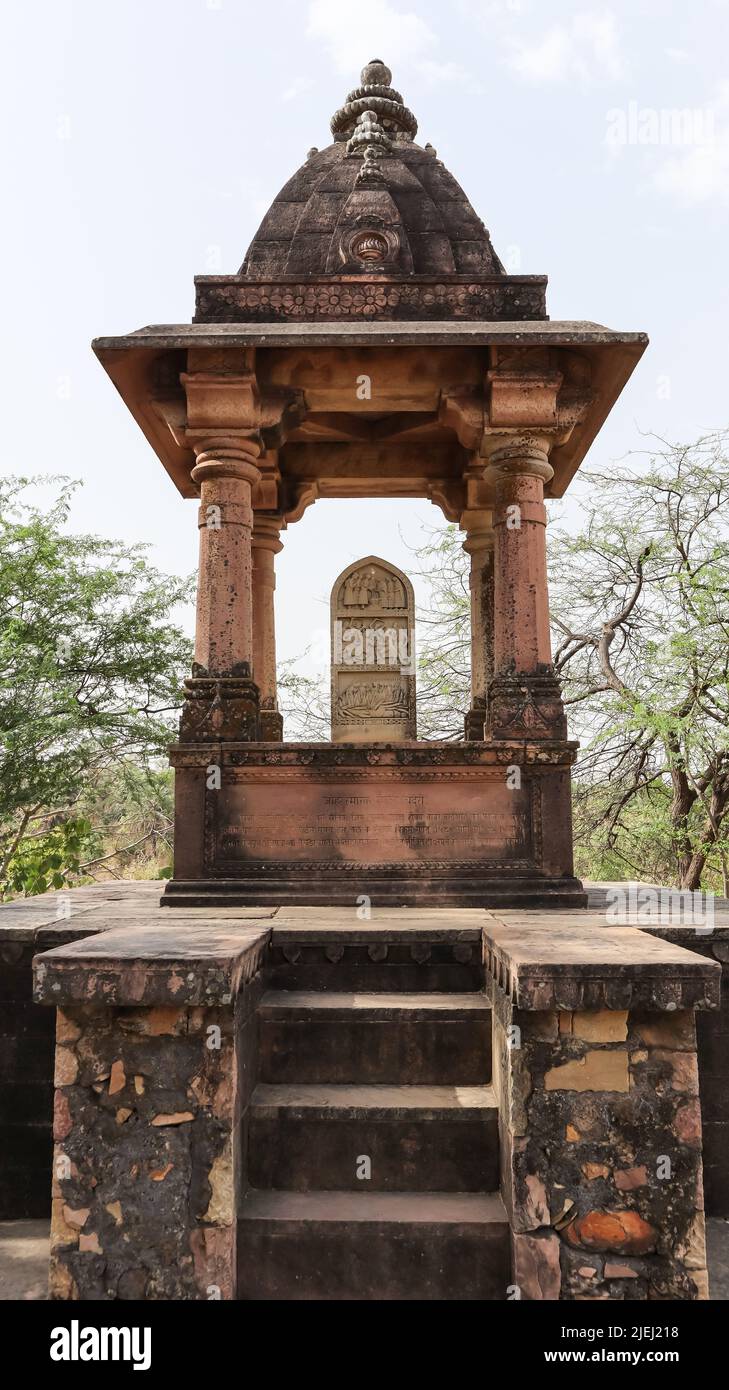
(464, 332)
(132, 361)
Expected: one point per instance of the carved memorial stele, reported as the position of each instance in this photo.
(373, 654)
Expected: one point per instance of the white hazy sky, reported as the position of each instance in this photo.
(144, 140)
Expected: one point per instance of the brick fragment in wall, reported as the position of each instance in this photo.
(597, 1026)
(536, 1265)
(595, 1170)
(624, 1232)
(628, 1179)
(66, 1030)
(657, 1030)
(66, 1068)
(597, 1070)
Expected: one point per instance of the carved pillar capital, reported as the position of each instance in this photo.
(227, 457)
(463, 412)
(267, 530)
(479, 528)
(512, 453)
(523, 395)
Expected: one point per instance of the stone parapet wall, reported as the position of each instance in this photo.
(600, 1123)
(26, 1087)
(155, 1064)
(27, 1040)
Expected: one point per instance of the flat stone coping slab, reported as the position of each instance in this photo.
(152, 965)
(564, 967)
(391, 332)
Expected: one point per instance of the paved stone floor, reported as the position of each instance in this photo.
(24, 1259)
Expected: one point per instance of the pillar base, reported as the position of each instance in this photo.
(271, 726)
(473, 722)
(220, 707)
(528, 706)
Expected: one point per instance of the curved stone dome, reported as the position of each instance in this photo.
(373, 202)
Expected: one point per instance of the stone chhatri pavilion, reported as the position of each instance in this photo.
(261, 1091)
(372, 266)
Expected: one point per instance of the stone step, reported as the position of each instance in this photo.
(338, 1036)
(376, 959)
(416, 1138)
(337, 888)
(360, 1246)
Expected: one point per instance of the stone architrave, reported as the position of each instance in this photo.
(373, 654)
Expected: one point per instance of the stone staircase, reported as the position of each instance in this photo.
(371, 1137)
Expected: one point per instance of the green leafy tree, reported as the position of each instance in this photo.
(91, 667)
(46, 858)
(129, 811)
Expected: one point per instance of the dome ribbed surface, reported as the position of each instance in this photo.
(437, 231)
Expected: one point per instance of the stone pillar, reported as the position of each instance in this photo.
(266, 544)
(524, 698)
(222, 699)
(479, 546)
(224, 629)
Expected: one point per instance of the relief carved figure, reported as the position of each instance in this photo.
(370, 587)
(378, 700)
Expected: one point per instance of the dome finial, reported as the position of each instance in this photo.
(378, 98)
(376, 74)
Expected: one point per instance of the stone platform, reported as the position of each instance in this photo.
(346, 1104)
(408, 824)
(342, 1037)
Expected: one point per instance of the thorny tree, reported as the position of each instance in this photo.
(640, 618)
(640, 608)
